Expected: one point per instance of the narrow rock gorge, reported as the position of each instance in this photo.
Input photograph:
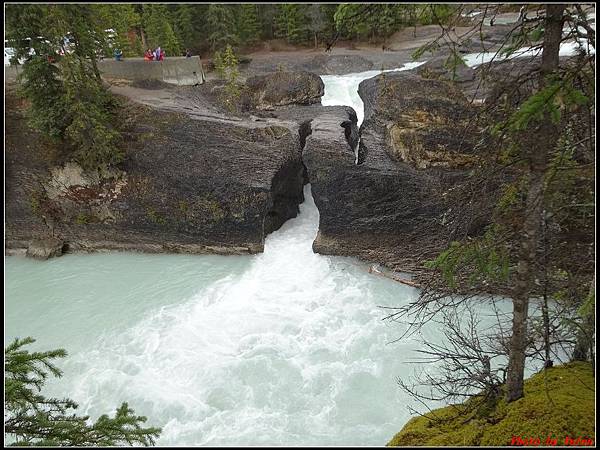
(390, 207)
(199, 184)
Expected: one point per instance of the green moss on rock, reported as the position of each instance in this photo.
(558, 403)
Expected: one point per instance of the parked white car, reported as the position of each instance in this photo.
(9, 52)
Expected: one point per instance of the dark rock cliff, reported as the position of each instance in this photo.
(390, 208)
(190, 184)
(185, 185)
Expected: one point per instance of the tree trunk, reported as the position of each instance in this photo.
(144, 41)
(584, 346)
(545, 313)
(541, 141)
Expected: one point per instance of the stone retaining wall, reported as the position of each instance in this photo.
(179, 70)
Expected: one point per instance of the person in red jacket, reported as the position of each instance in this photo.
(149, 55)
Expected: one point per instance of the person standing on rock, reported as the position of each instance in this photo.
(149, 55)
(157, 54)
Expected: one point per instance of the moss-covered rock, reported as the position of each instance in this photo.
(558, 403)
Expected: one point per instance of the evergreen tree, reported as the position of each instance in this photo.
(248, 24)
(532, 199)
(33, 419)
(183, 25)
(200, 24)
(124, 20)
(41, 83)
(232, 88)
(317, 21)
(159, 32)
(89, 106)
(328, 11)
(221, 26)
(68, 100)
(355, 20)
(267, 13)
(292, 23)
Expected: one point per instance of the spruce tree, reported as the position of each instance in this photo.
(317, 21)
(125, 21)
(221, 26)
(30, 418)
(267, 14)
(228, 69)
(183, 25)
(159, 32)
(248, 24)
(40, 78)
(68, 100)
(292, 23)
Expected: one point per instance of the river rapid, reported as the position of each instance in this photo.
(287, 347)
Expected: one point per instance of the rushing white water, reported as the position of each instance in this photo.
(283, 348)
(286, 347)
(343, 89)
(570, 48)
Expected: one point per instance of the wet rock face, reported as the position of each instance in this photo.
(284, 88)
(390, 208)
(422, 121)
(375, 210)
(185, 186)
(285, 195)
(45, 248)
(215, 183)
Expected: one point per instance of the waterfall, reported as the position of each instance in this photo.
(343, 90)
(287, 347)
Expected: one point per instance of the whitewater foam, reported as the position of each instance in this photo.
(287, 347)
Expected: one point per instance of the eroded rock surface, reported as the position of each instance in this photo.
(284, 88)
(186, 185)
(422, 122)
(390, 208)
(45, 248)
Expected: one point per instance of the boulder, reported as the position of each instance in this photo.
(284, 88)
(424, 122)
(440, 68)
(45, 248)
